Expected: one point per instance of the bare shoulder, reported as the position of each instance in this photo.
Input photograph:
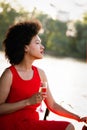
(5, 84)
(42, 74)
(6, 73)
(41, 71)
(6, 78)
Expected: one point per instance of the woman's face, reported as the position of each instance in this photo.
(35, 49)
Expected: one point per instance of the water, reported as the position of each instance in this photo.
(68, 84)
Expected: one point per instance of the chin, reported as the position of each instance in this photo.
(40, 57)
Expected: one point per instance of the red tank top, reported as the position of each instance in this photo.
(26, 118)
(22, 89)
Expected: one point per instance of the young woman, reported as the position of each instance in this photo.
(20, 83)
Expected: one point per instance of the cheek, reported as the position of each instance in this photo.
(32, 47)
(32, 51)
(35, 48)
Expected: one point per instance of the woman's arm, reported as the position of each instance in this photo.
(58, 109)
(55, 107)
(5, 86)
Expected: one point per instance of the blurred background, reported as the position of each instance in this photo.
(64, 23)
(64, 36)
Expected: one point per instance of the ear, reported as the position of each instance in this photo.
(26, 48)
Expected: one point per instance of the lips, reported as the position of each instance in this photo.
(42, 52)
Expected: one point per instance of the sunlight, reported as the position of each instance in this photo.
(71, 9)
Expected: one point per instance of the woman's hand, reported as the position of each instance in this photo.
(35, 99)
(83, 119)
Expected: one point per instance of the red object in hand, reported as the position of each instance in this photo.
(43, 89)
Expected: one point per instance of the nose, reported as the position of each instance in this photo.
(42, 46)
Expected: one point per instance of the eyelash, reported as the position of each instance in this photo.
(37, 43)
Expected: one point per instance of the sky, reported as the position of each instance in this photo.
(65, 9)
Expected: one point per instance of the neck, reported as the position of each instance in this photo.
(25, 64)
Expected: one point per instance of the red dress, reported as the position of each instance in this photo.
(26, 118)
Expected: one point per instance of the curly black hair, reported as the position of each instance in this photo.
(17, 36)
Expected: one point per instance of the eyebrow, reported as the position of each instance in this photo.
(39, 40)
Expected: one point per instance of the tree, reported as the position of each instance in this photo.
(54, 36)
(8, 16)
(81, 38)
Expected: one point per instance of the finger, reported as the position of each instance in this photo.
(38, 95)
(44, 95)
(39, 98)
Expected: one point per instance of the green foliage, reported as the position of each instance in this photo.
(56, 41)
(85, 18)
(53, 34)
(81, 38)
(8, 16)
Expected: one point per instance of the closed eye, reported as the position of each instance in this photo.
(37, 42)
